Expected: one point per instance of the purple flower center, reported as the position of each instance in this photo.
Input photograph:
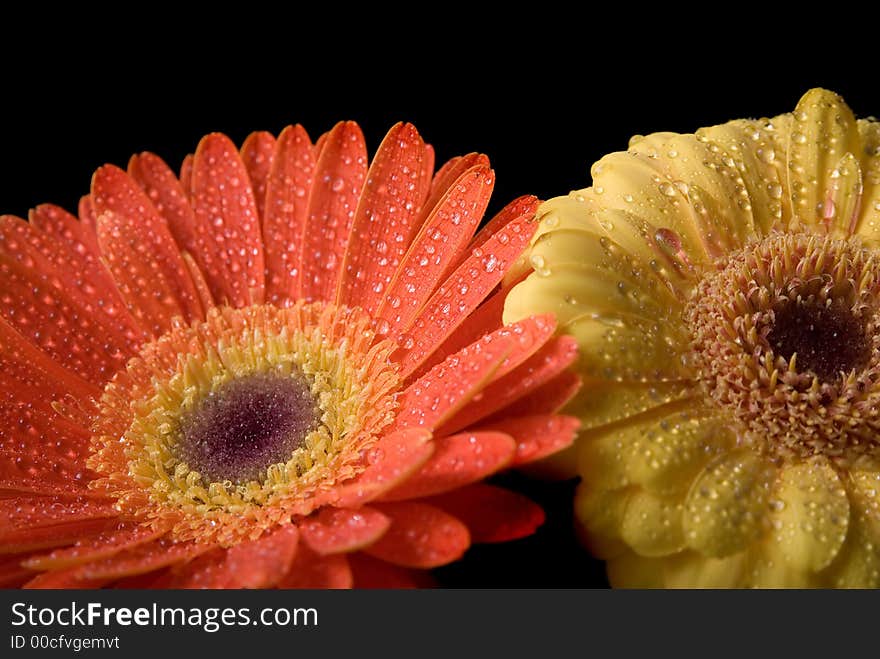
(246, 425)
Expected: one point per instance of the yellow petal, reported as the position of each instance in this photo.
(869, 221)
(662, 453)
(629, 570)
(652, 524)
(858, 562)
(708, 182)
(727, 505)
(570, 291)
(580, 247)
(757, 149)
(844, 194)
(601, 402)
(686, 569)
(810, 514)
(629, 349)
(600, 514)
(691, 569)
(823, 131)
(572, 211)
(767, 568)
(636, 184)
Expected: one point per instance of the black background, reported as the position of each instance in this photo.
(543, 109)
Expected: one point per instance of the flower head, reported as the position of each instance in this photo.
(285, 367)
(724, 289)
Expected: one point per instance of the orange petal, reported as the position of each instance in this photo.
(42, 417)
(162, 579)
(311, 570)
(491, 513)
(140, 560)
(384, 219)
(458, 460)
(420, 536)
(518, 210)
(12, 572)
(141, 253)
(484, 320)
(448, 174)
(446, 388)
(528, 336)
(259, 563)
(522, 209)
(149, 272)
(30, 433)
(32, 473)
(70, 318)
(256, 154)
(537, 436)
(549, 398)
(44, 537)
(168, 197)
(340, 530)
(425, 182)
(284, 222)
(201, 572)
(87, 215)
(32, 376)
(124, 536)
(459, 295)
(372, 573)
(66, 579)
(393, 459)
(31, 512)
(73, 247)
(442, 238)
(551, 360)
(319, 145)
(44, 428)
(67, 231)
(339, 180)
(199, 281)
(227, 222)
(186, 174)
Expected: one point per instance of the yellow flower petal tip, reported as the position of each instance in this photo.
(724, 290)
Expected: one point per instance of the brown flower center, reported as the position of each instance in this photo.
(827, 340)
(785, 337)
(236, 432)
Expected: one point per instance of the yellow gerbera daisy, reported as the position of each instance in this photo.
(724, 287)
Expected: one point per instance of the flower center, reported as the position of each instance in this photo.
(827, 340)
(236, 432)
(785, 338)
(233, 425)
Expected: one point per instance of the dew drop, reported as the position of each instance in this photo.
(551, 220)
(667, 189)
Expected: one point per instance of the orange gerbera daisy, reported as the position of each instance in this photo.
(283, 368)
